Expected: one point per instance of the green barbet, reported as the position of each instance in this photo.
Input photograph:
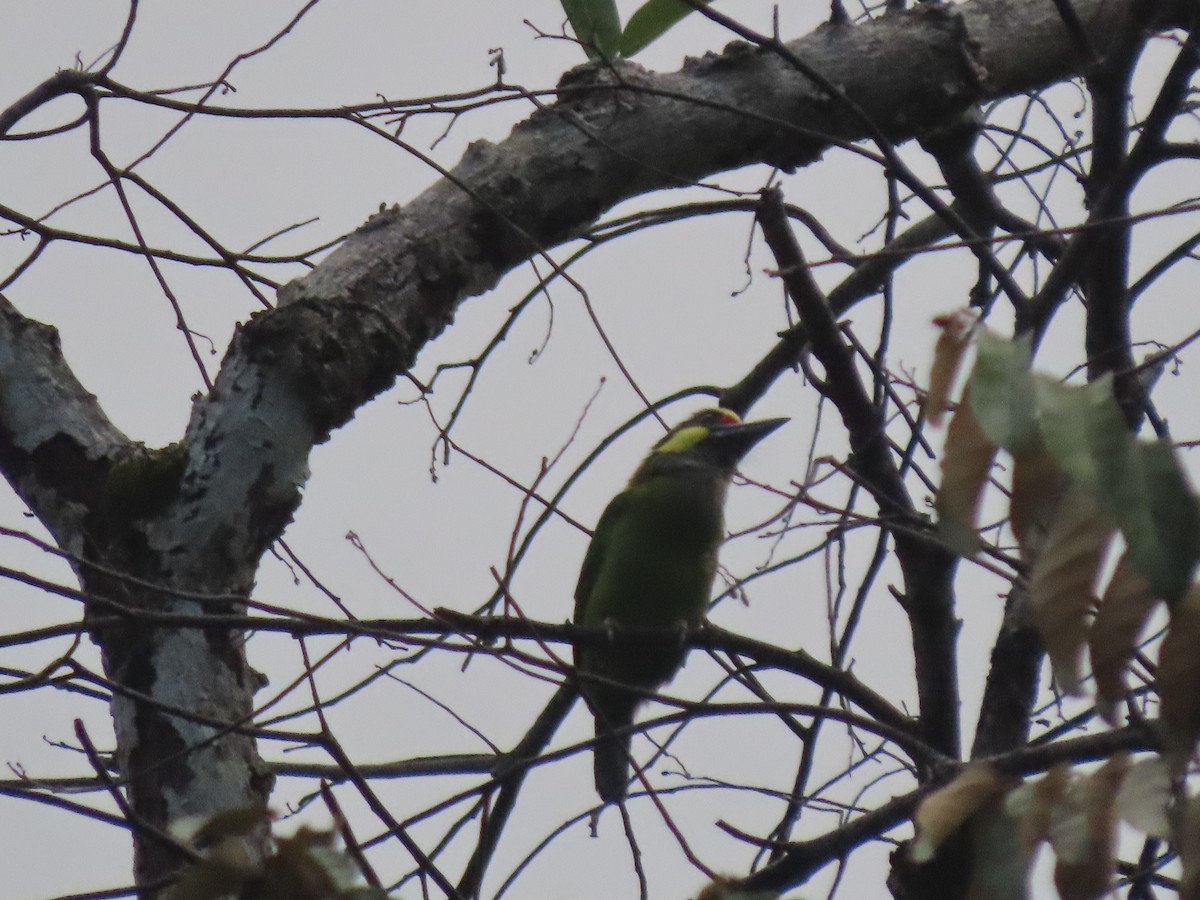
(650, 568)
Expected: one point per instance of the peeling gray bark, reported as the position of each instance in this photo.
(343, 333)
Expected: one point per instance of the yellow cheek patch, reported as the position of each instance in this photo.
(683, 439)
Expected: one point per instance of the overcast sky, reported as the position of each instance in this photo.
(679, 304)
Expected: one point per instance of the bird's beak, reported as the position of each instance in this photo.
(735, 441)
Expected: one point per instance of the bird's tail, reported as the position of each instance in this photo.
(611, 764)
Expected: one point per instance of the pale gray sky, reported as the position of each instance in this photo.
(664, 298)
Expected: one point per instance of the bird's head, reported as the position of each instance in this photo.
(715, 438)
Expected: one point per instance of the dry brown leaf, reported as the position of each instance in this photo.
(1060, 585)
(952, 342)
(966, 460)
(1037, 485)
(1178, 679)
(1083, 832)
(1032, 804)
(1186, 838)
(947, 808)
(1124, 609)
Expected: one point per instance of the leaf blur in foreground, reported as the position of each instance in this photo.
(1124, 610)
(966, 460)
(1060, 585)
(1154, 505)
(1002, 392)
(1140, 482)
(1000, 858)
(1177, 677)
(946, 809)
(1083, 832)
(1145, 797)
(597, 25)
(650, 22)
(1186, 838)
(954, 337)
(1079, 472)
(1038, 485)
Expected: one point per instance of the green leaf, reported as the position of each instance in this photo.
(1001, 855)
(1141, 483)
(650, 22)
(1159, 516)
(1002, 392)
(1083, 428)
(597, 25)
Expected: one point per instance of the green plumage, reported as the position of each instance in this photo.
(650, 568)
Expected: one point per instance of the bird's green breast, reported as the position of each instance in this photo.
(658, 554)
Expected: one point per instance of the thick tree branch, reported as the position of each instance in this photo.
(55, 440)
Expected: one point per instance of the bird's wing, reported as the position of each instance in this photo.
(594, 557)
